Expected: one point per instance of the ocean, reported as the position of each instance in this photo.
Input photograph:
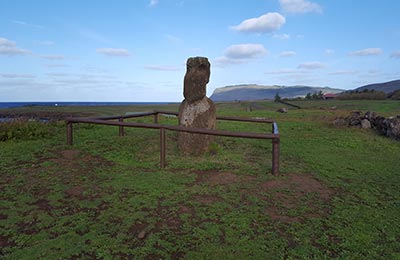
(55, 104)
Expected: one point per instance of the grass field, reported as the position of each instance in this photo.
(337, 196)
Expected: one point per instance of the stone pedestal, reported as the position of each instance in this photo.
(196, 110)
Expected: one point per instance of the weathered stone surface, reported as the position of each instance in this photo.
(355, 118)
(338, 122)
(389, 127)
(196, 78)
(365, 124)
(392, 127)
(370, 115)
(198, 114)
(197, 110)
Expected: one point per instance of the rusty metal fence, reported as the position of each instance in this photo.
(273, 135)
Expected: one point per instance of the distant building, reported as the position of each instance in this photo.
(329, 96)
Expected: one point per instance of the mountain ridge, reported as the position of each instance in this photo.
(386, 87)
(256, 92)
(259, 92)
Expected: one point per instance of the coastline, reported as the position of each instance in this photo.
(71, 103)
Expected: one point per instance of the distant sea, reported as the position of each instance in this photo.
(61, 104)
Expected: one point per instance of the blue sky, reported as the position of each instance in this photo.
(136, 50)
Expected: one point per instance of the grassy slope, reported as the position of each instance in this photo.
(105, 197)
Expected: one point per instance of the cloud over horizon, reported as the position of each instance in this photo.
(53, 57)
(10, 48)
(241, 53)
(266, 23)
(300, 6)
(311, 65)
(116, 52)
(366, 52)
(286, 54)
(161, 67)
(395, 54)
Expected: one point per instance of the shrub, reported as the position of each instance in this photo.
(18, 129)
(362, 95)
(395, 95)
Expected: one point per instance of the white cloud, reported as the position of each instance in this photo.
(311, 65)
(266, 23)
(9, 48)
(161, 68)
(53, 57)
(286, 71)
(300, 6)
(16, 76)
(153, 3)
(395, 54)
(245, 51)
(56, 66)
(283, 36)
(286, 54)
(367, 52)
(343, 72)
(224, 61)
(329, 51)
(240, 53)
(114, 52)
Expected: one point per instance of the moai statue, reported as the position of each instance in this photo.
(196, 110)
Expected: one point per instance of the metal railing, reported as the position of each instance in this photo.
(274, 135)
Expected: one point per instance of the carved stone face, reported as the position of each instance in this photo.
(196, 78)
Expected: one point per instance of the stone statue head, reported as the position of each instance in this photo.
(196, 78)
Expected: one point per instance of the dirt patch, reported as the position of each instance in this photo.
(295, 191)
(207, 199)
(214, 178)
(138, 230)
(186, 210)
(301, 184)
(43, 204)
(78, 162)
(69, 154)
(76, 192)
(5, 242)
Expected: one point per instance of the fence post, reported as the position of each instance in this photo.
(162, 147)
(156, 118)
(121, 128)
(275, 156)
(69, 133)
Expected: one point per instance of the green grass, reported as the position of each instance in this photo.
(105, 197)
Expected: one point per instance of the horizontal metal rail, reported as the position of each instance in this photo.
(175, 128)
(161, 112)
(274, 136)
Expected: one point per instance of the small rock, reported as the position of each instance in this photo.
(142, 234)
(355, 118)
(365, 124)
(393, 127)
(339, 122)
(282, 110)
(334, 108)
(370, 115)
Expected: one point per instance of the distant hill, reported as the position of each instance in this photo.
(386, 87)
(257, 92)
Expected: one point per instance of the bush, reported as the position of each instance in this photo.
(18, 129)
(362, 95)
(395, 95)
